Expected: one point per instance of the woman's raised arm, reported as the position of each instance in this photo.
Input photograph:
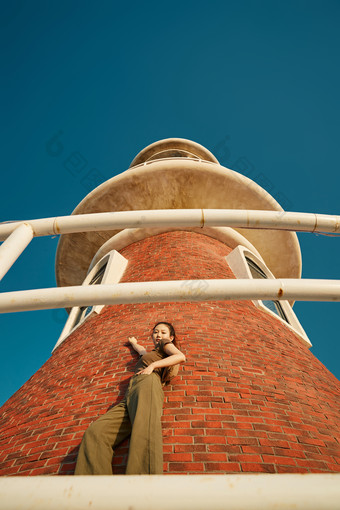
(139, 348)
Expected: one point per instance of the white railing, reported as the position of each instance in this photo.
(265, 492)
(159, 492)
(17, 236)
(13, 246)
(170, 291)
(273, 220)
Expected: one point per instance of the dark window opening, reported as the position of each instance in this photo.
(273, 306)
(84, 311)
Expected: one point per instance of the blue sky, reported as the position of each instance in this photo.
(253, 81)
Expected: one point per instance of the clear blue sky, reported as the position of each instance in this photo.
(248, 79)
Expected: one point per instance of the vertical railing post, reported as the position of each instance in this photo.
(13, 246)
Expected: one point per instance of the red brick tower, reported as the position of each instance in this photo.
(251, 397)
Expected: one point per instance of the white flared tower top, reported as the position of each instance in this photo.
(176, 174)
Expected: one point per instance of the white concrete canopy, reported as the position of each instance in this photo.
(177, 183)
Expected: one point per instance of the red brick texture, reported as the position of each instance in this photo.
(250, 398)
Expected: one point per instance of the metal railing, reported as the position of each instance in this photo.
(159, 492)
(265, 492)
(17, 235)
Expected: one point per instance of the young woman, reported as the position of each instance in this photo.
(138, 415)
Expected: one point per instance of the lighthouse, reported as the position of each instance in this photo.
(251, 397)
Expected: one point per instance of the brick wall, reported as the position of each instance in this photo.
(250, 398)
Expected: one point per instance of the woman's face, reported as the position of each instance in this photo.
(161, 332)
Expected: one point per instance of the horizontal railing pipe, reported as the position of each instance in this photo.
(254, 219)
(158, 492)
(170, 291)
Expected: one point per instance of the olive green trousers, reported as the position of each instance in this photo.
(138, 415)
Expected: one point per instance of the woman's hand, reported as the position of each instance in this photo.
(147, 370)
(134, 343)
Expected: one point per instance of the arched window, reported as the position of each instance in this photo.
(84, 311)
(108, 270)
(273, 306)
(245, 264)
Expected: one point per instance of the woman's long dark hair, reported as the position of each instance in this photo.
(171, 330)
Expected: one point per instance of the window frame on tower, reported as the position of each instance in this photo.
(107, 271)
(245, 264)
